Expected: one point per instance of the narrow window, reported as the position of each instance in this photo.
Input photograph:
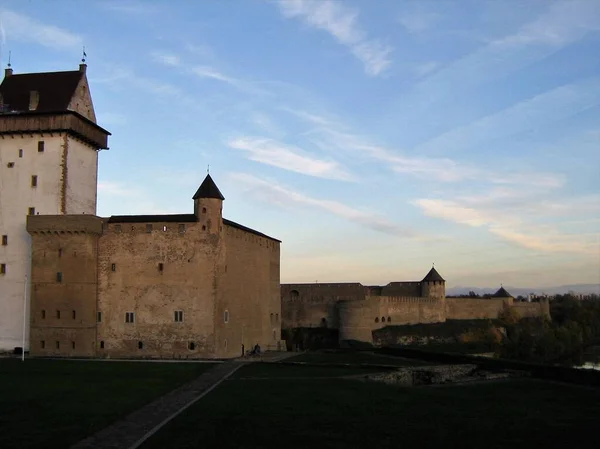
(192, 346)
(41, 146)
(181, 228)
(43, 314)
(59, 277)
(32, 211)
(99, 317)
(148, 228)
(204, 228)
(160, 267)
(377, 320)
(204, 210)
(383, 319)
(72, 345)
(34, 181)
(20, 153)
(73, 314)
(113, 267)
(2, 268)
(226, 316)
(164, 228)
(102, 344)
(58, 314)
(59, 252)
(42, 344)
(225, 343)
(117, 228)
(10, 164)
(4, 240)
(140, 345)
(179, 316)
(277, 318)
(58, 345)
(129, 317)
(389, 319)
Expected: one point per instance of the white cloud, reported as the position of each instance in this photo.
(271, 152)
(166, 59)
(417, 21)
(283, 197)
(117, 198)
(563, 22)
(23, 28)
(425, 68)
(341, 22)
(505, 222)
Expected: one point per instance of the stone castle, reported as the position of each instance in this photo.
(357, 310)
(173, 286)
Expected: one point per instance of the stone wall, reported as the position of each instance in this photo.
(532, 309)
(154, 270)
(63, 292)
(475, 309)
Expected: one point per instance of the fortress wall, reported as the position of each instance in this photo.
(310, 312)
(316, 291)
(473, 309)
(532, 309)
(357, 319)
(402, 289)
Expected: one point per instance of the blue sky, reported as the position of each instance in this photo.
(373, 138)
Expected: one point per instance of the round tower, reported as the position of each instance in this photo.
(433, 285)
(208, 206)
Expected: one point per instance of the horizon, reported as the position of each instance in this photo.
(373, 141)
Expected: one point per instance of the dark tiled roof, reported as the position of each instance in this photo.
(233, 224)
(174, 218)
(502, 293)
(208, 189)
(432, 276)
(55, 90)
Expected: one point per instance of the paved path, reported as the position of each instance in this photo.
(140, 425)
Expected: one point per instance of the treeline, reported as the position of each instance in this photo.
(575, 324)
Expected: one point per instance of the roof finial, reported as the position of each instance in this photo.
(9, 58)
(208, 169)
(84, 55)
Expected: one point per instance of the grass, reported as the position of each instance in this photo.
(55, 403)
(354, 357)
(289, 371)
(340, 413)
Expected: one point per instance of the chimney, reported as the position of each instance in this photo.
(7, 72)
(34, 99)
(82, 68)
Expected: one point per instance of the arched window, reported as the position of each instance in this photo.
(294, 294)
(324, 322)
(140, 345)
(383, 319)
(204, 210)
(191, 346)
(377, 319)
(389, 319)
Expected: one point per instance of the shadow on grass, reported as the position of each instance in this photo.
(55, 403)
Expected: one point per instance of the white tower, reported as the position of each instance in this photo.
(49, 143)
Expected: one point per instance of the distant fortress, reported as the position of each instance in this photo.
(357, 310)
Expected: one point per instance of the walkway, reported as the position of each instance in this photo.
(140, 425)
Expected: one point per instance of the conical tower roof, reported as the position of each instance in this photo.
(502, 293)
(208, 189)
(432, 276)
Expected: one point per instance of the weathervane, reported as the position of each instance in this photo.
(208, 169)
(9, 52)
(84, 55)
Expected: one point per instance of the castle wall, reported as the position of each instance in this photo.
(402, 289)
(532, 309)
(81, 176)
(186, 281)
(64, 285)
(248, 294)
(475, 309)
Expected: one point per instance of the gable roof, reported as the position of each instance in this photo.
(432, 276)
(502, 293)
(208, 189)
(55, 90)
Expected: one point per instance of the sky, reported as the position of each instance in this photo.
(373, 138)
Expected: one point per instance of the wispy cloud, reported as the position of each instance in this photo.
(288, 157)
(416, 21)
(520, 219)
(166, 58)
(340, 21)
(119, 198)
(425, 68)
(133, 7)
(23, 28)
(564, 21)
(284, 197)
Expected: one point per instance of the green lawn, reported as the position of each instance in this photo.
(340, 413)
(55, 403)
(354, 358)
